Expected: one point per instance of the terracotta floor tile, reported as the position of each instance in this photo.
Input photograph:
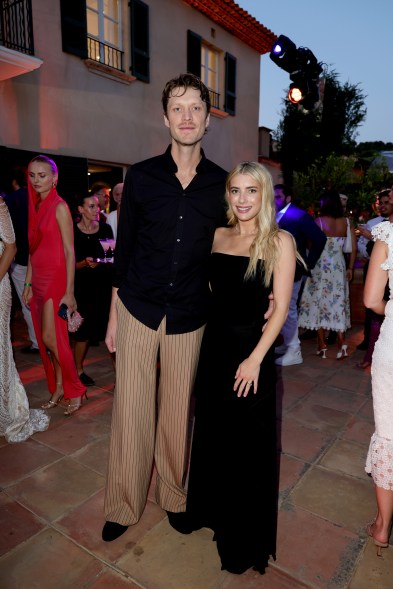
(291, 392)
(367, 411)
(84, 525)
(346, 457)
(19, 460)
(319, 417)
(332, 397)
(17, 524)
(94, 455)
(101, 409)
(373, 572)
(301, 441)
(153, 560)
(46, 561)
(57, 488)
(348, 380)
(358, 430)
(74, 433)
(111, 580)
(273, 578)
(343, 500)
(314, 550)
(291, 470)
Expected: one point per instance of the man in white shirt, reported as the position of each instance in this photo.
(113, 217)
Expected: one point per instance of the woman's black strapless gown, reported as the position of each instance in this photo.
(233, 473)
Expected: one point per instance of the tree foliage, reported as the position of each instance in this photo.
(306, 137)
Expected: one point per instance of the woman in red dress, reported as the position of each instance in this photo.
(50, 282)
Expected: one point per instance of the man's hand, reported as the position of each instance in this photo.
(270, 310)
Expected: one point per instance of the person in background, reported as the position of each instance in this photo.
(113, 217)
(379, 463)
(171, 206)
(93, 281)
(386, 210)
(17, 202)
(324, 303)
(50, 282)
(17, 421)
(364, 239)
(310, 241)
(102, 192)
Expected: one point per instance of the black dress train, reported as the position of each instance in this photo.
(233, 472)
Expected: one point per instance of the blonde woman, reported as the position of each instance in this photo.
(233, 473)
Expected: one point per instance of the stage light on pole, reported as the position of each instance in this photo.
(303, 69)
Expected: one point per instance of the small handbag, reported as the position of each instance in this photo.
(347, 247)
(74, 321)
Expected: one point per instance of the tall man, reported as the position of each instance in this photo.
(310, 241)
(171, 206)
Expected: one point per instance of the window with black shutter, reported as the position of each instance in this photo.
(194, 55)
(140, 56)
(74, 27)
(230, 84)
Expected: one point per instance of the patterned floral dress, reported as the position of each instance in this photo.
(325, 298)
(380, 454)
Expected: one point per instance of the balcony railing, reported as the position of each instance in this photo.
(16, 26)
(105, 54)
(214, 99)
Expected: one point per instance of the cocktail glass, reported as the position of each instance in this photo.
(108, 245)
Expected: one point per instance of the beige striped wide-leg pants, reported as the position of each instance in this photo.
(147, 428)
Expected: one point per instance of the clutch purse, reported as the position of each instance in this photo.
(74, 321)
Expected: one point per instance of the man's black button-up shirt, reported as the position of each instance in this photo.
(164, 242)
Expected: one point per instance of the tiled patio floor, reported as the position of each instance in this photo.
(51, 511)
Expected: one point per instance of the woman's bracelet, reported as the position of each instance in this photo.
(27, 284)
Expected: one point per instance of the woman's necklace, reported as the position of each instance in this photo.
(85, 229)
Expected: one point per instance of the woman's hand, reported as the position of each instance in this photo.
(246, 376)
(27, 295)
(69, 300)
(90, 263)
(349, 274)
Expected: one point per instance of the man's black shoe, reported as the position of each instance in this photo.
(362, 346)
(180, 522)
(112, 530)
(86, 380)
(30, 350)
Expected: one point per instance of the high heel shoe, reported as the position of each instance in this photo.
(342, 353)
(322, 353)
(74, 407)
(51, 404)
(378, 545)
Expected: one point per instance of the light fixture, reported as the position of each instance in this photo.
(303, 69)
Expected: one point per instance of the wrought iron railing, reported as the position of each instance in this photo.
(214, 98)
(105, 54)
(16, 25)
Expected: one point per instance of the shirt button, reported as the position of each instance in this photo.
(177, 239)
(171, 284)
(181, 217)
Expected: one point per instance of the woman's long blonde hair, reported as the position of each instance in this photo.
(265, 245)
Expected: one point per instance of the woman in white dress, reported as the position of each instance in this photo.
(17, 421)
(380, 454)
(324, 304)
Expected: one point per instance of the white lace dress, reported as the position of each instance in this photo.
(380, 454)
(17, 421)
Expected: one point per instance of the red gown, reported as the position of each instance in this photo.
(49, 281)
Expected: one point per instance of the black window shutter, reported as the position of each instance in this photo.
(194, 47)
(230, 84)
(140, 56)
(74, 27)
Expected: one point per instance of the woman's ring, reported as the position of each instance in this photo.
(249, 382)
